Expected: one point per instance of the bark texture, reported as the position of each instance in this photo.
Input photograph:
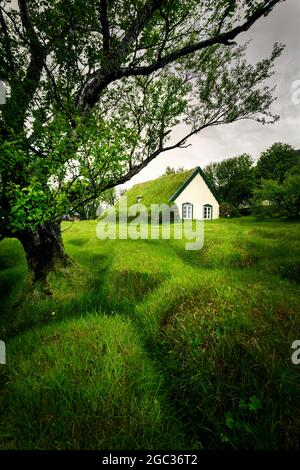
(44, 250)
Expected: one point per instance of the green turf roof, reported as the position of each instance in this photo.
(164, 189)
(157, 191)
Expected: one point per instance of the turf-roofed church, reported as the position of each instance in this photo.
(189, 190)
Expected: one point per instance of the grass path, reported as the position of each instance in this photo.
(146, 345)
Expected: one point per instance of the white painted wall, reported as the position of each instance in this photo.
(198, 194)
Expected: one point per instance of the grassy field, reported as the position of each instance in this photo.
(144, 345)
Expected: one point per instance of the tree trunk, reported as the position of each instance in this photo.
(44, 250)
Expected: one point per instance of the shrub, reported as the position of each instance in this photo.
(276, 199)
(228, 210)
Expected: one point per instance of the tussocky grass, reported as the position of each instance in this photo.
(144, 345)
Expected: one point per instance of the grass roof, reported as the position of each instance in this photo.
(157, 191)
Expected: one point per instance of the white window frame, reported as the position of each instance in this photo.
(207, 212)
(187, 211)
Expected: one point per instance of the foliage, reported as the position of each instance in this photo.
(109, 196)
(90, 208)
(77, 192)
(274, 162)
(228, 210)
(95, 89)
(233, 179)
(170, 170)
(276, 198)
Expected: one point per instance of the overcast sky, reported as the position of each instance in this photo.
(218, 143)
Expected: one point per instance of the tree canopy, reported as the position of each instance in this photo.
(233, 178)
(276, 161)
(278, 182)
(275, 199)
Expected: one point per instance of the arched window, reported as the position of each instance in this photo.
(207, 212)
(187, 211)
